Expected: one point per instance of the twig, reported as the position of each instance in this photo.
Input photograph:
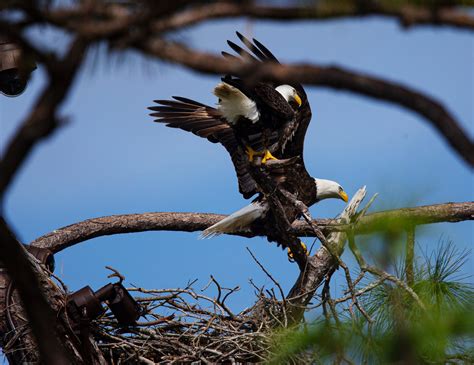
(268, 274)
(381, 273)
(115, 274)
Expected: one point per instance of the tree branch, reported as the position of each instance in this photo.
(332, 77)
(107, 19)
(124, 26)
(41, 317)
(407, 15)
(410, 256)
(65, 237)
(324, 262)
(40, 123)
(42, 120)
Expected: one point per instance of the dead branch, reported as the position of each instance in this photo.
(65, 237)
(195, 330)
(321, 264)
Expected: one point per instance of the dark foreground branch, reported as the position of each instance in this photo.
(407, 15)
(40, 123)
(191, 222)
(332, 77)
(42, 319)
(107, 19)
(43, 119)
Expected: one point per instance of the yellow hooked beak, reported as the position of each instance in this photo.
(298, 100)
(344, 196)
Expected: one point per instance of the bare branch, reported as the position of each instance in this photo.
(107, 19)
(65, 237)
(322, 263)
(407, 15)
(332, 77)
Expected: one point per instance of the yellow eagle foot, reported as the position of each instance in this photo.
(268, 156)
(251, 153)
(290, 254)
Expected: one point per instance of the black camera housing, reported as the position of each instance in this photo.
(15, 68)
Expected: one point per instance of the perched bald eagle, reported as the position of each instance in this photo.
(255, 216)
(255, 124)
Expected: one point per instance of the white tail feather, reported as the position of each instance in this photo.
(242, 219)
(234, 104)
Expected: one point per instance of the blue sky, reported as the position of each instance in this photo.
(112, 159)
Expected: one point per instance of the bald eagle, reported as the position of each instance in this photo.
(252, 123)
(264, 115)
(255, 124)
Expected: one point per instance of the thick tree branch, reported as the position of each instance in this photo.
(399, 219)
(407, 15)
(65, 237)
(97, 18)
(125, 27)
(40, 123)
(107, 20)
(41, 317)
(323, 263)
(332, 77)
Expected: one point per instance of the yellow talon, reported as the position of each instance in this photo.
(268, 156)
(250, 153)
(290, 254)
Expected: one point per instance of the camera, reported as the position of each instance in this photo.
(15, 68)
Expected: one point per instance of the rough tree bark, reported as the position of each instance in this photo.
(42, 327)
(64, 237)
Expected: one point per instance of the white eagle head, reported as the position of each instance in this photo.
(326, 189)
(290, 94)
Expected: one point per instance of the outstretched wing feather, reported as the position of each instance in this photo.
(205, 121)
(259, 54)
(269, 55)
(242, 52)
(292, 138)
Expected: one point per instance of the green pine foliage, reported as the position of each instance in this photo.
(402, 332)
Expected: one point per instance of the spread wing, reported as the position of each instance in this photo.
(206, 122)
(295, 131)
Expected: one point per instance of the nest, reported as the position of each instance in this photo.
(184, 325)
